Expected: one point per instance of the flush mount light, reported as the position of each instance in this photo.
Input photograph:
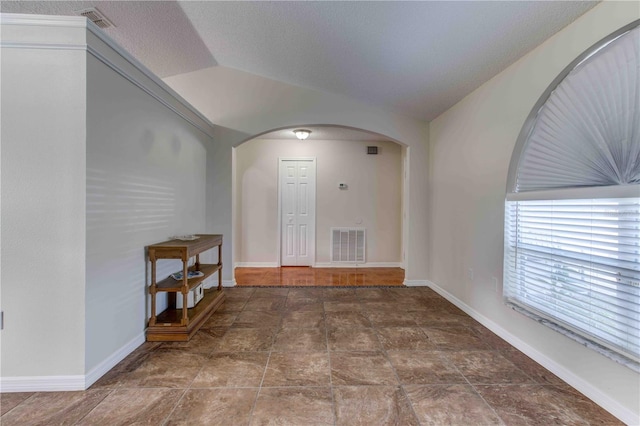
(302, 134)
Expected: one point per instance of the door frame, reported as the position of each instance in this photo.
(281, 160)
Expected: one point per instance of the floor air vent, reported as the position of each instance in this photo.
(347, 245)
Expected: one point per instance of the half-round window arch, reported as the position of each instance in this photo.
(572, 217)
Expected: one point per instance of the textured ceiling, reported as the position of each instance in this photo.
(157, 33)
(416, 58)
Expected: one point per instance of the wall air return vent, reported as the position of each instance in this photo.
(95, 16)
(347, 245)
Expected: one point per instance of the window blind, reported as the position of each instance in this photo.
(587, 133)
(577, 263)
(572, 212)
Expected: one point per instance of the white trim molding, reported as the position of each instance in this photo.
(359, 265)
(43, 20)
(229, 283)
(606, 402)
(96, 43)
(256, 265)
(417, 283)
(69, 383)
(42, 383)
(112, 360)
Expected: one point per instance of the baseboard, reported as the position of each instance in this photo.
(42, 383)
(229, 283)
(612, 406)
(257, 264)
(358, 265)
(69, 383)
(101, 369)
(416, 283)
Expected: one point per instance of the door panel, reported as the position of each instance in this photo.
(297, 180)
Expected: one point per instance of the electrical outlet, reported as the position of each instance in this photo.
(494, 281)
(470, 274)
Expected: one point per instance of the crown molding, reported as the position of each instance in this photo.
(106, 50)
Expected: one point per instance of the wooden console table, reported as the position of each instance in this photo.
(181, 324)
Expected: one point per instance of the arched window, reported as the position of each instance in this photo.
(572, 217)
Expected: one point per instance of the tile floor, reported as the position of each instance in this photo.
(325, 277)
(322, 356)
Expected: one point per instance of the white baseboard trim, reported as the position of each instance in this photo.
(416, 283)
(229, 283)
(359, 265)
(257, 264)
(101, 369)
(69, 383)
(612, 406)
(42, 383)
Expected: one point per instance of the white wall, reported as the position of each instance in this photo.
(372, 200)
(43, 204)
(99, 159)
(146, 173)
(247, 105)
(470, 151)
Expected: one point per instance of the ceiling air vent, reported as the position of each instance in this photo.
(95, 16)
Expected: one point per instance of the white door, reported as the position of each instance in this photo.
(298, 212)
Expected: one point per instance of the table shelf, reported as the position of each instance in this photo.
(181, 324)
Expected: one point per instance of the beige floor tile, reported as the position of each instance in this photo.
(232, 369)
(337, 306)
(372, 405)
(297, 369)
(300, 339)
(402, 318)
(160, 370)
(258, 319)
(246, 339)
(210, 407)
(305, 345)
(203, 342)
(450, 405)
(455, 338)
(404, 339)
(220, 319)
(424, 367)
(346, 319)
(270, 303)
(487, 367)
(355, 339)
(9, 401)
(133, 407)
(54, 408)
(544, 405)
(361, 368)
(293, 406)
(303, 319)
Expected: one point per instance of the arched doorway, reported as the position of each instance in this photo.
(373, 194)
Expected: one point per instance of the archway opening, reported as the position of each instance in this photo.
(355, 189)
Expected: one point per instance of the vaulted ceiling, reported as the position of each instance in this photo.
(415, 58)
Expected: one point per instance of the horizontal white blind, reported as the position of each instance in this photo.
(577, 262)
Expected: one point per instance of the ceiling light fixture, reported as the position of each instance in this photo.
(302, 134)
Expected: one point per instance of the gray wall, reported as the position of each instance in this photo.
(43, 205)
(146, 172)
